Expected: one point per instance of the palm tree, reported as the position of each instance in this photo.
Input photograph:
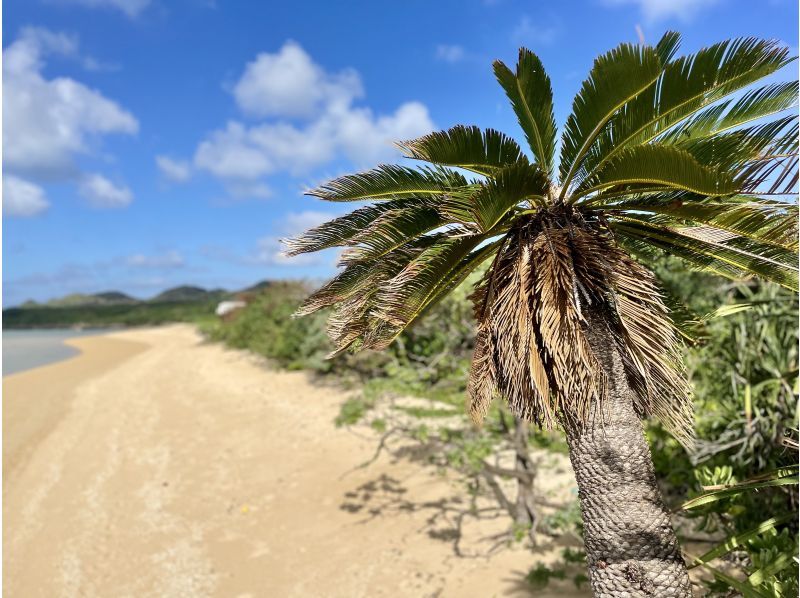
(660, 154)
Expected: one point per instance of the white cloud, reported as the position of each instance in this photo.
(177, 171)
(47, 123)
(536, 33)
(657, 10)
(21, 198)
(131, 8)
(170, 259)
(289, 85)
(269, 249)
(102, 193)
(450, 53)
(231, 153)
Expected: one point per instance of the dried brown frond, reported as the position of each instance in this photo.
(532, 346)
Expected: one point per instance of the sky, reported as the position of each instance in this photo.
(152, 143)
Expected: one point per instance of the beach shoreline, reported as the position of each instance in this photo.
(158, 464)
(50, 387)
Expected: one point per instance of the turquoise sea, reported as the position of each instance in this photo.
(26, 349)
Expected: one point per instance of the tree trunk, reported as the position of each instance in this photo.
(525, 509)
(631, 548)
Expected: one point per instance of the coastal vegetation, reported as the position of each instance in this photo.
(105, 316)
(658, 155)
(112, 308)
(746, 338)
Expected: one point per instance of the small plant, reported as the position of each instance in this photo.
(539, 577)
(352, 410)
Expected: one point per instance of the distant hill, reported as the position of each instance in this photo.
(180, 294)
(112, 308)
(115, 298)
(187, 293)
(82, 299)
(259, 286)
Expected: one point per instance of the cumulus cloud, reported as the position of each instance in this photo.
(307, 118)
(102, 193)
(131, 8)
(289, 84)
(177, 171)
(22, 198)
(50, 123)
(450, 53)
(657, 10)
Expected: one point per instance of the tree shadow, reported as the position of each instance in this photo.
(445, 517)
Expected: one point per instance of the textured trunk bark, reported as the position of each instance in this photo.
(631, 547)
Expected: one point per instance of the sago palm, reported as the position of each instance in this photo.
(660, 154)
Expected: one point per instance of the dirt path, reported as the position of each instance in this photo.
(181, 469)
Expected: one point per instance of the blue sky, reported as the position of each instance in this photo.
(149, 143)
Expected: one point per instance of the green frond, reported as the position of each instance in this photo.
(489, 203)
(615, 79)
(341, 231)
(427, 279)
(712, 249)
(733, 150)
(457, 275)
(531, 96)
(404, 295)
(724, 116)
(774, 171)
(359, 276)
(686, 86)
(777, 176)
(393, 229)
(662, 166)
(767, 221)
(389, 181)
(470, 148)
(667, 46)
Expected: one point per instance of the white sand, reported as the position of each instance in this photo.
(157, 465)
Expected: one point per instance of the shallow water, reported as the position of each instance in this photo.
(26, 349)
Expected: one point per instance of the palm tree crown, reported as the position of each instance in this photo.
(660, 153)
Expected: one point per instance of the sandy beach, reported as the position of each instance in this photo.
(155, 464)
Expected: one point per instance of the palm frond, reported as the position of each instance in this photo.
(662, 166)
(724, 116)
(470, 148)
(768, 221)
(651, 350)
(427, 279)
(732, 256)
(389, 182)
(393, 229)
(537, 309)
(616, 78)
(342, 231)
(492, 200)
(531, 96)
(734, 150)
(359, 276)
(667, 46)
(404, 295)
(686, 86)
